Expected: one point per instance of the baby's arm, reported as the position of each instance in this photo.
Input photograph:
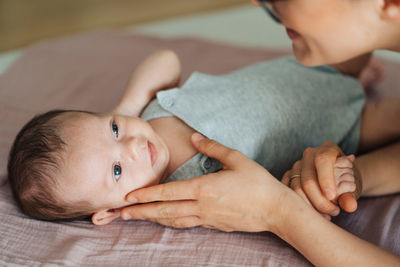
(160, 70)
(380, 123)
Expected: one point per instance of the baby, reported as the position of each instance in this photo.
(62, 161)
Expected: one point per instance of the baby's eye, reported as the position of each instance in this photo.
(117, 170)
(114, 127)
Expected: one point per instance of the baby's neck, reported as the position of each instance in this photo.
(176, 134)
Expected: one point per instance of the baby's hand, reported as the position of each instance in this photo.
(344, 175)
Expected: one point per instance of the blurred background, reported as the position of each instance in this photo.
(23, 22)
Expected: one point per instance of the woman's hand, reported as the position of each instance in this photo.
(313, 179)
(241, 197)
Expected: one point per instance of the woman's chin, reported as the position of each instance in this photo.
(307, 57)
(304, 56)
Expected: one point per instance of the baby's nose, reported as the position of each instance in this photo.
(136, 146)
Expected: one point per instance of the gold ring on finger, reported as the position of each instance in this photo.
(294, 176)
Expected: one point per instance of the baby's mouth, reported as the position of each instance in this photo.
(152, 152)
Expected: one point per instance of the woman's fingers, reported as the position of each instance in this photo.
(227, 156)
(325, 174)
(295, 181)
(348, 202)
(311, 186)
(178, 190)
(161, 210)
(181, 222)
(324, 161)
(286, 177)
(296, 186)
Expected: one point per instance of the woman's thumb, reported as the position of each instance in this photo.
(348, 202)
(213, 149)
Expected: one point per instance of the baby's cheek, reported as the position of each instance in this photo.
(144, 178)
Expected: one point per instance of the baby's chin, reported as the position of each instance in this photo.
(162, 170)
(160, 177)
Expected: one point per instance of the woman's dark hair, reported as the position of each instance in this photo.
(33, 166)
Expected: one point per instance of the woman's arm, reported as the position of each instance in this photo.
(378, 171)
(161, 70)
(245, 197)
(324, 243)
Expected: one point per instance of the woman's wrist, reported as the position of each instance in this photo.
(290, 206)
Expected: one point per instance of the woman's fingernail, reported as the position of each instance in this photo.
(132, 199)
(197, 137)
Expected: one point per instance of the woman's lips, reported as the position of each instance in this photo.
(152, 152)
(292, 34)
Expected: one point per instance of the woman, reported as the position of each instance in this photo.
(320, 31)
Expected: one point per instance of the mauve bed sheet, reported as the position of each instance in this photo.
(89, 72)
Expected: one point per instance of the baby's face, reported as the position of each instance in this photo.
(109, 155)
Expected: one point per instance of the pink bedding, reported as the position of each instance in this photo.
(89, 72)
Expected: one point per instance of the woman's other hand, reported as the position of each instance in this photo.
(241, 197)
(313, 178)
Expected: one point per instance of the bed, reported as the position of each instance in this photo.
(89, 71)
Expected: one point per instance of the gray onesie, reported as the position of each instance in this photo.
(270, 112)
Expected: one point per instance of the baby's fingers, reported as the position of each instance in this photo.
(343, 175)
(344, 162)
(346, 187)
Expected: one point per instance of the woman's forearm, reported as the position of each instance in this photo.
(380, 170)
(325, 244)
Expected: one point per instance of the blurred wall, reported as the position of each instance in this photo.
(25, 21)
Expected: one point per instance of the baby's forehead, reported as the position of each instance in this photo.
(84, 137)
(82, 130)
(78, 121)
(72, 117)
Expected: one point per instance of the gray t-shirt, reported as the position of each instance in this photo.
(270, 111)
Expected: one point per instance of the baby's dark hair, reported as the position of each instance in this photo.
(33, 166)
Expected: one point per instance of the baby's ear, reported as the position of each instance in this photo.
(390, 10)
(104, 217)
